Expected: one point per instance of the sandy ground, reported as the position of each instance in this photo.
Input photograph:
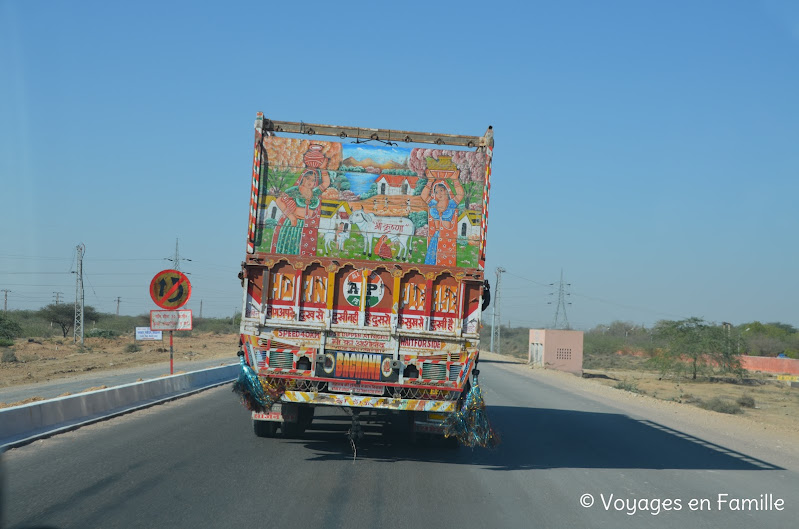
(771, 428)
(44, 360)
(773, 402)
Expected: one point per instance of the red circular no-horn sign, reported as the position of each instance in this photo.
(170, 289)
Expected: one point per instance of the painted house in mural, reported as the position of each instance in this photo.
(469, 224)
(364, 273)
(268, 209)
(333, 214)
(388, 184)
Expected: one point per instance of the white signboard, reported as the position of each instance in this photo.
(147, 334)
(170, 320)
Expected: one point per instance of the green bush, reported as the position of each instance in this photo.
(132, 348)
(9, 329)
(6, 342)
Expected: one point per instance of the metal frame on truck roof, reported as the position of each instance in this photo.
(384, 135)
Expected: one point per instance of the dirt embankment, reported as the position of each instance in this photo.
(42, 360)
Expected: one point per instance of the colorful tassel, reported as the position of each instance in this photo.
(470, 424)
(249, 389)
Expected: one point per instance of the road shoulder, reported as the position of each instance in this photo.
(776, 445)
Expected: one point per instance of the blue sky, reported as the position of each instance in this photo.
(647, 149)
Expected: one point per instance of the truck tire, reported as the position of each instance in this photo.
(264, 428)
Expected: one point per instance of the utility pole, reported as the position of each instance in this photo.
(5, 299)
(201, 309)
(561, 303)
(177, 259)
(495, 313)
(118, 300)
(81, 249)
(58, 297)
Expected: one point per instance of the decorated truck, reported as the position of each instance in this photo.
(363, 278)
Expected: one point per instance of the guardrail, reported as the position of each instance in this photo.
(20, 425)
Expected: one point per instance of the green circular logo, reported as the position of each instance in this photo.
(353, 284)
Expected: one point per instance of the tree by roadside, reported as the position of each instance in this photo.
(9, 329)
(64, 315)
(770, 339)
(695, 347)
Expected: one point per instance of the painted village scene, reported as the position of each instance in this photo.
(378, 203)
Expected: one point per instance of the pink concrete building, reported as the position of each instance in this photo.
(556, 349)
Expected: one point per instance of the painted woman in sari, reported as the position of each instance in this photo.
(442, 230)
(297, 230)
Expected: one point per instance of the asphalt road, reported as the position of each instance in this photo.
(196, 463)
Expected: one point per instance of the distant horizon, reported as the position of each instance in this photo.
(486, 319)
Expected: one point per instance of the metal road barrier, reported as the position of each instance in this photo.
(23, 424)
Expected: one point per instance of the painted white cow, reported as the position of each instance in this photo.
(397, 229)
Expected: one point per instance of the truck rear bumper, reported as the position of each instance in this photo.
(366, 401)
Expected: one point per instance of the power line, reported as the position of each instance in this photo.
(545, 285)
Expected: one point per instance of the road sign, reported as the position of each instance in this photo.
(170, 289)
(170, 320)
(145, 334)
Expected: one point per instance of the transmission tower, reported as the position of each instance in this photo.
(177, 259)
(495, 313)
(561, 304)
(81, 249)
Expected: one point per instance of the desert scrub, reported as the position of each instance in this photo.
(9, 356)
(746, 401)
(628, 385)
(132, 348)
(720, 405)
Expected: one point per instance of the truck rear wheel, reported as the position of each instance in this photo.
(264, 428)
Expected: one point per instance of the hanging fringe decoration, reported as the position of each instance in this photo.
(249, 389)
(470, 424)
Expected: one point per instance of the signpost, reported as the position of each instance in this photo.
(170, 290)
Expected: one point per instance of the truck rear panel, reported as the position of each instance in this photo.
(363, 278)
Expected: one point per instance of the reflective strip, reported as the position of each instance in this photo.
(368, 402)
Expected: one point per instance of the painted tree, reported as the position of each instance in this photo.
(339, 180)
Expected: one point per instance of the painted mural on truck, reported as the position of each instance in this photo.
(378, 203)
